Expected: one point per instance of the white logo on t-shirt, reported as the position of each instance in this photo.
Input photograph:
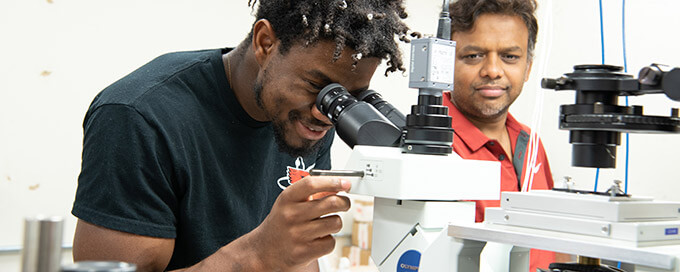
(294, 174)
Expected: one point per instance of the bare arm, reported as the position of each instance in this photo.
(92, 242)
(291, 238)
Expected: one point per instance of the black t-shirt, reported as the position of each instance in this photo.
(169, 152)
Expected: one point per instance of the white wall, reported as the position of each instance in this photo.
(56, 55)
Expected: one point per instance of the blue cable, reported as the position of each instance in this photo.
(601, 32)
(625, 70)
(597, 172)
(623, 33)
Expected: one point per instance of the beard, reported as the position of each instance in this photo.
(490, 111)
(481, 108)
(282, 127)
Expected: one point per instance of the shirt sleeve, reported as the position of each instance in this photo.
(124, 182)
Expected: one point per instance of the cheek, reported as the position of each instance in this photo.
(519, 77)
(298, 99)
(464, 74)
(290, 108)
(462, 83)
(460, 97)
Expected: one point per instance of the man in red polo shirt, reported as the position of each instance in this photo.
(494, 45)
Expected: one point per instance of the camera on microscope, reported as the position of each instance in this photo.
(367, 119)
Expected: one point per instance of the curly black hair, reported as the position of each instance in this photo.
(367, 26)
(464, 13)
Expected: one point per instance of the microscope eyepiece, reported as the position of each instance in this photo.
(358, 122)
(332, 101)
(392, 113)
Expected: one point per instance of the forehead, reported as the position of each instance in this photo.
(494, 30)
(318, 59)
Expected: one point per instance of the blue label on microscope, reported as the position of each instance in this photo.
(409, 261)
(672, 231)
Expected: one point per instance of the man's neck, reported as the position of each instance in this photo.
(493, 128)
(242, 70)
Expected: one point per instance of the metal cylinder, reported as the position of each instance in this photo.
(42, 244)
(93, 266)
(588, 260)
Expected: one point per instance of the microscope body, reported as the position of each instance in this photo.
(416, 197)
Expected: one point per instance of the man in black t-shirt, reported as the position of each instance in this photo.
(199, 160)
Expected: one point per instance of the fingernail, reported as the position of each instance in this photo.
(346, 185)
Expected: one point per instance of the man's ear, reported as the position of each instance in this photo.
(264, 41)
(526, 75)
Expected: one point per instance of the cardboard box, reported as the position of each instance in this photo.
(356, 255)
(362, 234)
(363, 210)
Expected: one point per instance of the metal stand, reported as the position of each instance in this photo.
(647, 258)
(584, 264)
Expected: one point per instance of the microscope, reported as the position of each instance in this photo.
(406, 163)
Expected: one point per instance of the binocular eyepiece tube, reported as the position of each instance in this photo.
(358, 122)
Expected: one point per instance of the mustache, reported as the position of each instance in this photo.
(492, 83)
(296, 115)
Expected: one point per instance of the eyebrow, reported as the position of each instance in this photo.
(478, 48)
(325, 80)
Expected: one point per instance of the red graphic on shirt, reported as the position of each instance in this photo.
(294, 174)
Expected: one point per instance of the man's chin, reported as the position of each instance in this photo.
(290, 142)
(302, 149)
(492, 113)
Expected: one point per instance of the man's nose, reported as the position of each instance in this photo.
(492, 68)
(316, 113)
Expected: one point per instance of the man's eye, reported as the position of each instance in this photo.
(472, 56)
(314, 85)
(511, 57)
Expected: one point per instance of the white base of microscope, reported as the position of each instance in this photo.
(637, 219)
(573, 224)
(412, 235)
(652, 258)
(404, 229)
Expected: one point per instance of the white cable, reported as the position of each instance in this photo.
(537, 117)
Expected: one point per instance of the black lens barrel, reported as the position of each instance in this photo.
(374, 98)
(428, 127)
(370, 120)
(356, 122)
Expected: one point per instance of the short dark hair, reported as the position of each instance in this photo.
(367, 26)
(464, 13)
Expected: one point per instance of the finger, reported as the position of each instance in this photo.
(310, 185)
(321, 227)
(311, 250)
(320, 207)
(321, 195)
(322, 246)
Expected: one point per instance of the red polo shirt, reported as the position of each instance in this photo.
(470, 143)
